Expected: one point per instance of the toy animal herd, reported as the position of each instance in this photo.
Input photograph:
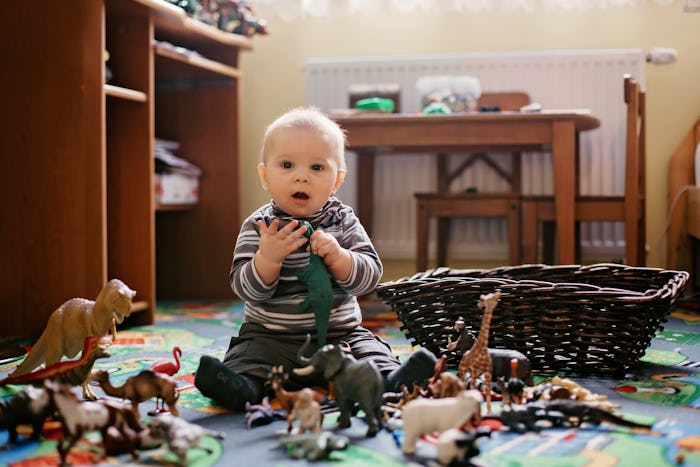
(448, 404)
(81, 324)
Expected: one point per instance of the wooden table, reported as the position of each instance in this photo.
(370, 135)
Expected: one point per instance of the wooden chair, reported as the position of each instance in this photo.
(629, 208)
(445, 204)
(681, 176)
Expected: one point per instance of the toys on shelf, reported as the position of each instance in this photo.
(234, 16)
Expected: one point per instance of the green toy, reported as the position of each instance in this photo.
(375, 103)
(320, 297)
(436, 108)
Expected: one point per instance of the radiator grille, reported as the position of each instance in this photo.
(555, 78)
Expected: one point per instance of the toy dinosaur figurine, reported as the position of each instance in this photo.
(76, 319)
(577, 412)
(320, 297)
(71, 372)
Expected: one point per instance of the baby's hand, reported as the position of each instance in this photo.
(326, 246)
(276, 244)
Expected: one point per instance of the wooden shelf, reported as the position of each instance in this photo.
(124, 93)
(175, 65)
(139, 306)
(96, 190)
(174, 22)
(175, 207)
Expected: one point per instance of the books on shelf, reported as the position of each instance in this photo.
(176, 179)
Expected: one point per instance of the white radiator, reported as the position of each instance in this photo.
(555, 78)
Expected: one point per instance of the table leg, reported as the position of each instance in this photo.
(564, 170)
(365, 188)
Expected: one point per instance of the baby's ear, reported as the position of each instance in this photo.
(339, 180)
(262, 173)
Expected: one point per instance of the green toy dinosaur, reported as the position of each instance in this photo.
(320, 297)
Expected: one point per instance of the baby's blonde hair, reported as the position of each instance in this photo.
(309, 118)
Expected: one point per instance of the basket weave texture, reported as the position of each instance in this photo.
(595, 320)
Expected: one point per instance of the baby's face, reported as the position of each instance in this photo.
(301, 170)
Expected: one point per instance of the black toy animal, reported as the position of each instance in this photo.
(577, 412)
(560, 412)
(31, 406)
(528, 417)
(456, 448)
(500, 358)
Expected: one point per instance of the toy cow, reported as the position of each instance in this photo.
(425, 415)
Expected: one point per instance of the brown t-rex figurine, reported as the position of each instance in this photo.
(74, 321)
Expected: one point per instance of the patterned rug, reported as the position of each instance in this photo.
(664, 390)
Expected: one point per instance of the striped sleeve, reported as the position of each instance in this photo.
(366, 271)
(244, 279)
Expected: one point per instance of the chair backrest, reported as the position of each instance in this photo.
(635, 155)
(635, 147)
(503, 100)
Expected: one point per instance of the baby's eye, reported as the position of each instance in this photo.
(286, 165)
(317, 167)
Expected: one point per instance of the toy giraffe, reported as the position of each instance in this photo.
(477, 361)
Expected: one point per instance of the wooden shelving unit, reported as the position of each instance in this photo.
(79, 207)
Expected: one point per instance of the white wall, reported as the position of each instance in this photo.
(273, 72)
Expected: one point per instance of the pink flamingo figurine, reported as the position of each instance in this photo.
(169, 368)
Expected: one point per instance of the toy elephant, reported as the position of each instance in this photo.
(354, 382)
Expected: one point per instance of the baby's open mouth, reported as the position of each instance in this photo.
(300, 195)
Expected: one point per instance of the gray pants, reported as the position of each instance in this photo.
(256, 350)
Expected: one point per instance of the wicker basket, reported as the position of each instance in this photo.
(594, 320)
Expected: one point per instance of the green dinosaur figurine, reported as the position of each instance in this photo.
(320, 297)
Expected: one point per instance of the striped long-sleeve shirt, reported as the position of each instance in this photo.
(277, 306)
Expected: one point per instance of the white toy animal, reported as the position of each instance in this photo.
(425, 415)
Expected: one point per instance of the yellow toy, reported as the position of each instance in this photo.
(74, 321)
